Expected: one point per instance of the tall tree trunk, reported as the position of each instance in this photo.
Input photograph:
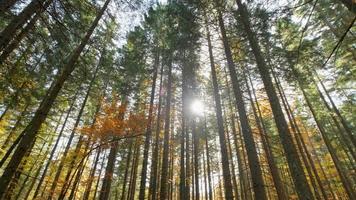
(280, 189)
(32, 129)
(296, 168)
(70, 140)
(220, 121)
(79, 173)
(343, 178)
(183, 149)
(196, 158)
(208, 161)
(188, 171)
(109, 171)
(128, 160)
(100, 172)
(148, 131)
(91, 176)
(54, 149)
(164, 171)
(133, 176)
(152, 193)
(182, 179)
(254, 165)
(205, 179)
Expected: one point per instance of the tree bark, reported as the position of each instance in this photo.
(254, 165)
(296, 168)
(220, 121)
(280, 189)
(54, 149)
(152, 193)
(148, 131)
(91, 176)
(106, 185)
(164, 171)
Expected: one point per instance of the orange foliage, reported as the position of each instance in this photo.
(113, 123)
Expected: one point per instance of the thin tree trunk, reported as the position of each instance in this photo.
(148, 131)
(100, 172)
(54, 149)
(208, 161)
(196, 159)
(106, 186)
(152, 193)
(164, 171)
(220, 122)
(91, 176)
(128, 160)
(133, 176)
(265, 143)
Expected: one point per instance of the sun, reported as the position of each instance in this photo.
(197, 107)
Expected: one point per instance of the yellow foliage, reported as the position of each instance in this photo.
(113, 123)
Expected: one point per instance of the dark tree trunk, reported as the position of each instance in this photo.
(208, 161)
(254, 165)
(91, 176)
(100, 172)
(196, 159)
(164, 171)
(133, 176)
(220, 121)
(280, 189)
(54, 149)
(296, 168)
(148, 131)
(106, 185)
(127, 166)
(152, 193)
